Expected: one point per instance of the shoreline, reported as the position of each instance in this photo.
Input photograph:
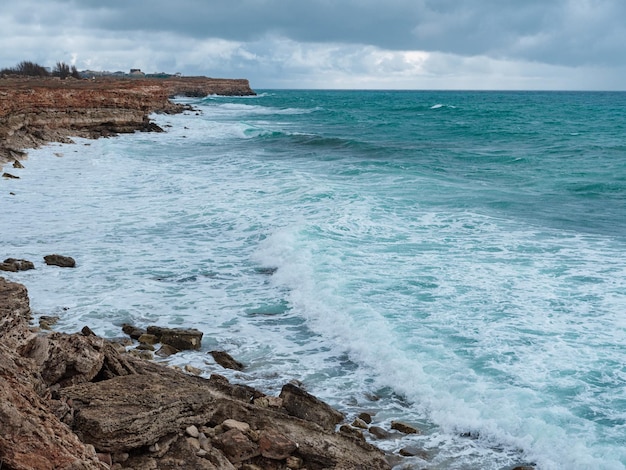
(294, 430)
(184, 433)
(73, 401)
(34, 112)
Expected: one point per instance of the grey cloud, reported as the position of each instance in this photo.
(569, 32)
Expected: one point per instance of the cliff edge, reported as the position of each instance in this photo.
(34, 111)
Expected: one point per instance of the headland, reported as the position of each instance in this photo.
(35, 111)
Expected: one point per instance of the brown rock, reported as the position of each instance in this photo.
(60, 260)
(133, 331)
(350, 431)
(166, 350)
(10, 176)
(404, 428)
(275, 446)
(366, 417)
(359, 423)
(17, 164)
(229, 424)
(148, 339)
(226, 360)
(32, 436)
(180, 338)
(46, 321)
(303, 405)
(379, 433)
(237, 446)
(14, 265)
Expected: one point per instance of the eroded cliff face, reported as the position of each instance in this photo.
(36, 111)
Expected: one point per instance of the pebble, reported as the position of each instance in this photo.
(192, 431)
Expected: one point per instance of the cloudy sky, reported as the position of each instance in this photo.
(396, 44)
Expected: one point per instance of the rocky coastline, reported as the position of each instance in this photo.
(35, 111)
(78, 401)
(81, 402)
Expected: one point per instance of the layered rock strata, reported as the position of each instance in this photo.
(80, 402)
(36, 111)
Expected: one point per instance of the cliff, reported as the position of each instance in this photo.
(77, 401)
(36, 111)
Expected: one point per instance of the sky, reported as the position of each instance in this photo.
(337, 44)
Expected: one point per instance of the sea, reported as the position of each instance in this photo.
(454, 260)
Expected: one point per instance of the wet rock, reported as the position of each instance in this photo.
(275, 446)
(46, 321)
(180, 338)
(414, 451)
(17, 164)
(10, 176)
(148, 339)
(303, 405)
(86, 331)
(350, 431)
(166, 350)
(366, 417)
(60, 260)
(133, 331)
(237, 446)
(226, 360)
(14, 265)
(379, 433)
(404, 428)
(359, 423)
(192, 370)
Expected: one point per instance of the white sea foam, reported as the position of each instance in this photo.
(461, 322)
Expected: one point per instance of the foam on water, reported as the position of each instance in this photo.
(500, 336)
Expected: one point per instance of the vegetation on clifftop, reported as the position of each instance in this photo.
(27, 68)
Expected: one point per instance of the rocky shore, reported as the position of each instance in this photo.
(34, 111)
(77, 401)
(80, 402)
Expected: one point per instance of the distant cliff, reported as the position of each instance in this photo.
(36, 111)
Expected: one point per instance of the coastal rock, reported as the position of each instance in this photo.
(34, 111)
(60, 260)
(179, 338)
(303, 405)
(10, 176)
(74, 401)
(14, 265)
(404, 428)
(32, 435)
(237, 446)
(226, 360)
(17, 164)
(133, 331)
(48, 321)
(273, 445)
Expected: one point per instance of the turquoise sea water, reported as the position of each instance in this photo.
(455, 260)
